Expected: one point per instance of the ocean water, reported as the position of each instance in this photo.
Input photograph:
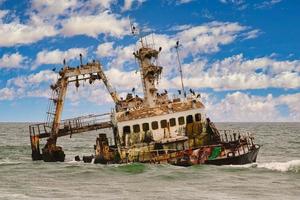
(276, 175)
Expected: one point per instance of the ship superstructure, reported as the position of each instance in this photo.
(153, 129)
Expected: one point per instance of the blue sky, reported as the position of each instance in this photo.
(243, 56)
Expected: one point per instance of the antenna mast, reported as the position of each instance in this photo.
(136, 32)
(180, 68)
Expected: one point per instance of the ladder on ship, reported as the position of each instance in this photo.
(51, 108)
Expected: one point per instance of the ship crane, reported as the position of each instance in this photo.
(90, 71)
(114, 95)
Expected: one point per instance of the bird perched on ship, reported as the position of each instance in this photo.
(133, 29)
(192, 91)
(179, 92)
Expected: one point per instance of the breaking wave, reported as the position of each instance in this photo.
(7, 162)
(289, 166)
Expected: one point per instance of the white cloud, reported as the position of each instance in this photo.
(32, 85)
(38, 26)
(95, 93)
(105, 49)
(124, 55)
(196, 40)
(93, 25)
(241, 107)
(3, 13)
(184, 1)
(124, 80)
(33, 80)
(129, 3)
(238, 63)
(7, 94)
(239, 4)
(238, 73)
(65, 17)
(37, 85)
(180, 27)
(292, 101)
(119, 56)
(15, 33)
(207, 38)
(11, 60)
(267, 4)
(252, 34)
(57, 56)
(50, 10)
(103, 3)
(52, 7)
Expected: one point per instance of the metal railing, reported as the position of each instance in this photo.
(71, 124)
(83, 121)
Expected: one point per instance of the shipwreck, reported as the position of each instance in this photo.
(154, 128)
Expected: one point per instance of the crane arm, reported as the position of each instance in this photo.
(90, 69)
(108, 86)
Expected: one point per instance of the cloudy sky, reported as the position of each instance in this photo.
(243, 56)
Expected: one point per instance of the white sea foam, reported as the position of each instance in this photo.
(10, 162)
(13, 196)
(289, 166)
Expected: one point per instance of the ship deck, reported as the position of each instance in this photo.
(162, 109)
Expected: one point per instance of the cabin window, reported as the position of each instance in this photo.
(163, 123)
(145, 126)
(136, 128)
(154, 125)
(189, 119)
(180, 120)
(126, 129)
(172, 122)
(197, 117)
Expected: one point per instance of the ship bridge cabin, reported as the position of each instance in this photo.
(156, 118)
(164, 123)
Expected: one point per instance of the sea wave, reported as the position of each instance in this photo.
(8, 162)
(288, 166)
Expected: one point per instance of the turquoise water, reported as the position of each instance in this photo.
(276, 175)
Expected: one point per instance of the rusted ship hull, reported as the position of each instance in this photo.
(237, 152)
(246, 158)
(186, 159)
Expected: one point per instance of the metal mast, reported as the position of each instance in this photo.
(150, 72)
(180, 68)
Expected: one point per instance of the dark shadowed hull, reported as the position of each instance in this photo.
(246, 158)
